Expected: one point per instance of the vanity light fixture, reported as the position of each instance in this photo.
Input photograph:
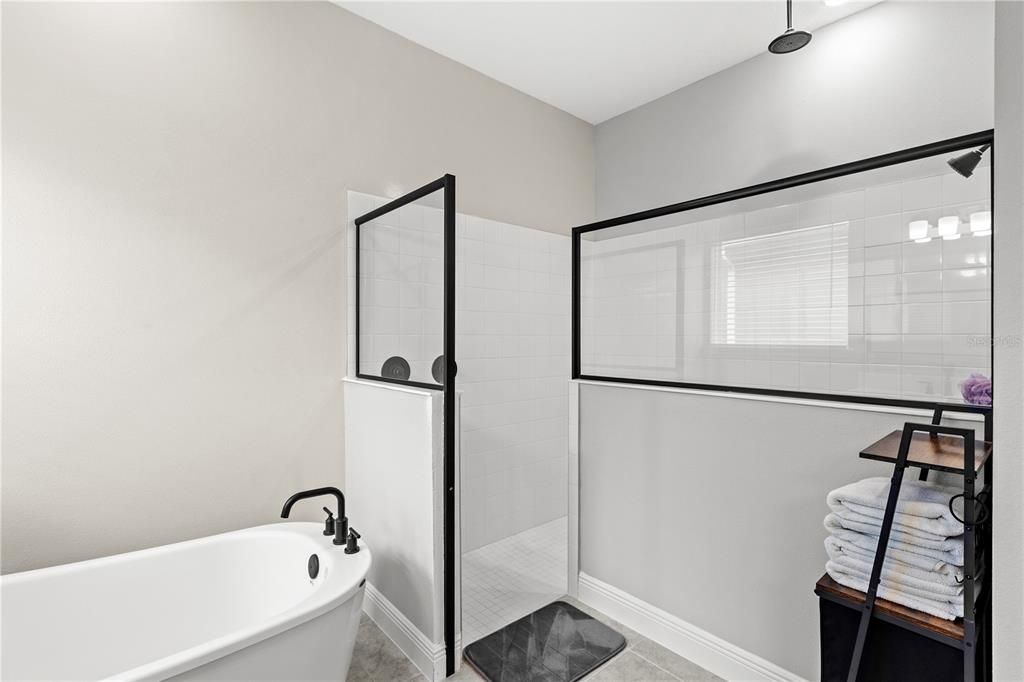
(980, 259)
(919, 231)
(981, 223)
(949, 227)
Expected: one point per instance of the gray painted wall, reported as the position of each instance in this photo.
(711, 507)
(892, 76)
(720, 500)
(173, 259)
(1008, 303)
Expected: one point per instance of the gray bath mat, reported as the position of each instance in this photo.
(557, 642)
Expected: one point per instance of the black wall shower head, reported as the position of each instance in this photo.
(792, 40)
(967, 162)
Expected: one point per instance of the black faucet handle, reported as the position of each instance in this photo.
(351, 547)
(329, 522)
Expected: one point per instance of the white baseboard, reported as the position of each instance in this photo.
(724, 659)
(427, 656)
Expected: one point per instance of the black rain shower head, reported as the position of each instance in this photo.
(967, 162)
(792, 40)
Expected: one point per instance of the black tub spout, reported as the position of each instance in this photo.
(341, 526)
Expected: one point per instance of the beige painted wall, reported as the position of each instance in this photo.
(173, 253)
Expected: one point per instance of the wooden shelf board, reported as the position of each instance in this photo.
(941, 453)
(950, 629)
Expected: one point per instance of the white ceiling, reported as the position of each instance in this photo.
(598, 59)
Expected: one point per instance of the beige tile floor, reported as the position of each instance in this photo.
(377, 658)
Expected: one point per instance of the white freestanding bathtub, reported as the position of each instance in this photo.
(236, 606)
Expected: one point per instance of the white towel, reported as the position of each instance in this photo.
(865, 535)
(898, 595)
(945, 574)
(901, 580)
(849, 517)
(932, 593)
(922, 509)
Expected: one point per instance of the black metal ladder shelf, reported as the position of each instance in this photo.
(934, 447)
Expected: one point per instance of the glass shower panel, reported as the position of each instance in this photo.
(401, 294)
(875, 284)
(513, 331)
(405, 333)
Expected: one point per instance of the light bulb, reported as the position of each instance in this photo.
(918, 230)
(981, 223)
(949, 226)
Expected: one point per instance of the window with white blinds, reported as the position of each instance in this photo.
(782, 289)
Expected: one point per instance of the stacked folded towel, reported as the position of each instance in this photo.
(923, 566)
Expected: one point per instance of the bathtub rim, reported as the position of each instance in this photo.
(335, 591)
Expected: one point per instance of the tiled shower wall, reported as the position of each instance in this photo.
(917, 314)
(513, 345)
(512, 349)
(402, 290)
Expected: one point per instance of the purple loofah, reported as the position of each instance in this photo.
(977, 389)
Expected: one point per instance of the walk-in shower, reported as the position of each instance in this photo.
(512, 302)
(430, 285)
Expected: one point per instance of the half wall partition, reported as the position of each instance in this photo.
(404, 319)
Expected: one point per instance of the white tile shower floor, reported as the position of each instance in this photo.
(508, 579)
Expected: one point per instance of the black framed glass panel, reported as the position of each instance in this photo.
(400, 296)
(405, 323)
(867, 282)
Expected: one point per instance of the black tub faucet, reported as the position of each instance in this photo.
(341, 523)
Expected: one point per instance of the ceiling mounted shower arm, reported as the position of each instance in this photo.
(792, 40)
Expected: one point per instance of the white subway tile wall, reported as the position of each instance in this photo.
(911, 322)
(513, 345)
(512, 348)
(401, 289)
